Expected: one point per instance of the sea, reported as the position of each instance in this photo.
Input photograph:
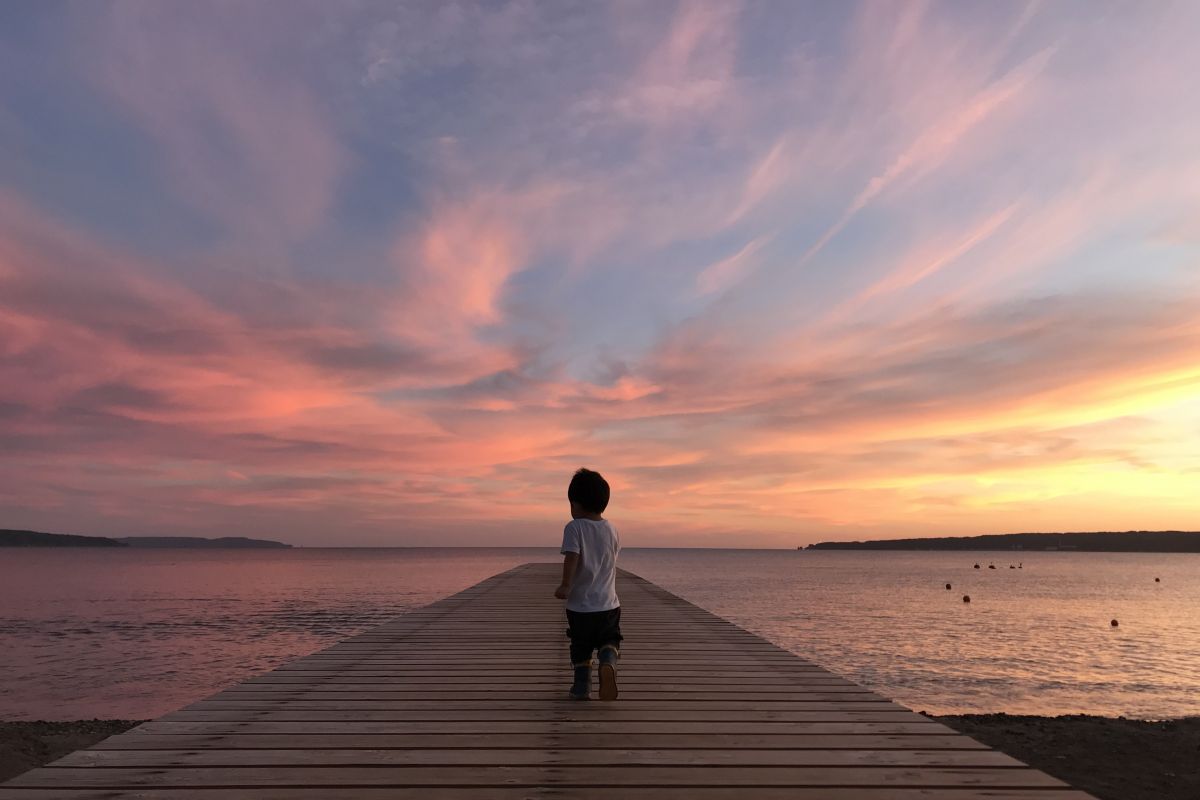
(134, 633)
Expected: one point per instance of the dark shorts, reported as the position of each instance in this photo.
(591, 631)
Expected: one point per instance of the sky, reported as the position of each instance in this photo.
(371, 273)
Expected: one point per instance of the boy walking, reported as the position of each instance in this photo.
(589, 585)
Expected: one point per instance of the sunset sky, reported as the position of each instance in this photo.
(385, 273)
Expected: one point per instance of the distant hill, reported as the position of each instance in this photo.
(197, 541)
(1098, 542)
(14, 538)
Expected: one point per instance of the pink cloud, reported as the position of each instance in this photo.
(689, 73)
(455, 275)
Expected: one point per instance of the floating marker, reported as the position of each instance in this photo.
(976, 566)
(947, 587)
(1157, 580)
(1114, 623)
(966, 598)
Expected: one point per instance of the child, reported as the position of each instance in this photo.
(589, 585)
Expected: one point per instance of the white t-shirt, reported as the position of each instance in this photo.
(594, 587)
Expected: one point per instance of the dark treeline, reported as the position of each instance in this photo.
(197, 541)
(15, 538)
(1099, 542)
(18, 538)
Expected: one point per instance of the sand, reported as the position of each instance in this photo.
(1114, 759)
(25, 745)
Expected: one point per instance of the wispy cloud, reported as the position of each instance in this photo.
(931, 258)
(934, 145)
(728, 270)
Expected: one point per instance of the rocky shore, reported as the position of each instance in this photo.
(25, 745)
(1113, 759)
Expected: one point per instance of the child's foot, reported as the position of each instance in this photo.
(583, 683)
(608, 673)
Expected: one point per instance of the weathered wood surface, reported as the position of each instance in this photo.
(466, 698)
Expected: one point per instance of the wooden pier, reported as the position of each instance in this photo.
(466, 698)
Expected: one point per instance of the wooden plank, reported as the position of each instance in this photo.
(568, 740)
(582, 726)
(551, 655)
(554, 673)
(499, 756)
(581, 776)
(531, 682)
(553, 792)
(547, 693)
(576, 709)
(634, 663)
(426, 682)
(410, 709)
(533, 714)
(714, 705)
(710, 665)
(665, 691)
(337, 680)
(517, 651)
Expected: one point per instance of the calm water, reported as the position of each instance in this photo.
(112, 633)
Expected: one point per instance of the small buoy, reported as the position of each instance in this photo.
(1021, 565)
(1157, 580)
(1114, 623)
(947, 587)
(991, 566)
(1010, 566)
(966, 598)
(976, 566)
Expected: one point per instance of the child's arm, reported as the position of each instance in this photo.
(569, 564)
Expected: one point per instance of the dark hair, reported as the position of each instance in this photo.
(589, 490)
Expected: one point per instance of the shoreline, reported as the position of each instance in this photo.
(26, 745)
(1113, 758)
